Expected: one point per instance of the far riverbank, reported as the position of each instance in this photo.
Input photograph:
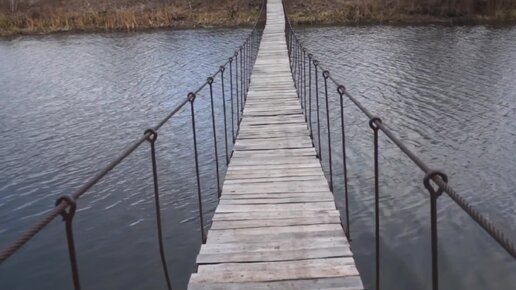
(50, 16)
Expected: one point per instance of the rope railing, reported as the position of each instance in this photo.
(300, 56)
(240, 66)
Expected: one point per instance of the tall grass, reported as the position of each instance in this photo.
(413, 11)
(130, 16)
(44, 16)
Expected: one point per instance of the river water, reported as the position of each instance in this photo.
(70, 103)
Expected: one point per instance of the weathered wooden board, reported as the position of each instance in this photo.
(306, 199)
(276, 225)
(323, 194)
(300, 221)
(339, 283)
(275, 215)
(274, 255)
(276, 271)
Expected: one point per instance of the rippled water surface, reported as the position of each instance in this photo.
(450, 94)
(70, 103)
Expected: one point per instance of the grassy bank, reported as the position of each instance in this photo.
(401, 11)
(45, 16)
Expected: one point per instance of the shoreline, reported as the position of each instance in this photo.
(99, 30)
(248, 24)
(54, 16)
(137, 27)
(406, 20)
(44, 21)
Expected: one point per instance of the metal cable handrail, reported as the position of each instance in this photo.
(299, 56)
(66, 205)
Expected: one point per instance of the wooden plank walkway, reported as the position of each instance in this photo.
(276, 226)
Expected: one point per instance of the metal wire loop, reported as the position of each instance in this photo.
(430, 176)
(341, 89)
(222, 68)
(210, 80)
(153, 135)
(71, 203)
(373, 122)
(191, 97)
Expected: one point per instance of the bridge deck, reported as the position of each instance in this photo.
(276, 226)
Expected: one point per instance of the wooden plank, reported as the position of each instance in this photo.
(273, 254)
(339, 283)
(269, 161)
(307, 164)
(274, 215)
(256, 223)
(260, 180)
(245, 174)
(276, 271)
(292, 170)
(279, 152)
(275, 236)
(271, 188)
(276, 195)
(306, 199)
(275, 207)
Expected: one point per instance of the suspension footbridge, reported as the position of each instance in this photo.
(276, 225)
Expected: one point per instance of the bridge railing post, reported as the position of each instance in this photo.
(68, 219)
(342, 90)
(295, 52)
(319, 153)
(300, 87)
(294, 62)
(299, 60)
(237, 92)
(191, 98)
(326, 75)
(232, 99)
(373, 123)
(249, 66)
(214, 127)
(244, 74)
(223, 91)
(310, 96)
(152, 136)
(242, 89)
(434, 195)
(304, 85)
